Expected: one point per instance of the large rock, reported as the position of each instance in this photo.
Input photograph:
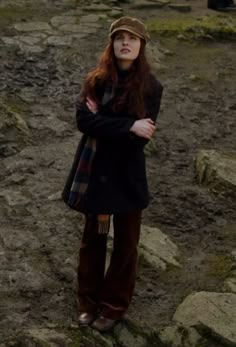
(157, 249)
(216, 170)
(210, 313)
(180, 336)
(154, 247)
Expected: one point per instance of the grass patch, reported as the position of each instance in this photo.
(220, 26)
(219, 265)
(13, 14)
(13, 104)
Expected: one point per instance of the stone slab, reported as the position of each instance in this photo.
(213, 313)
(61, 20)
(157, 248)
(32, 26)
(216, 170)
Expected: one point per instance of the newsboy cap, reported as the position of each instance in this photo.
(131, 25)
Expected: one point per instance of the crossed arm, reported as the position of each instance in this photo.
(142, 127)
(91, 122)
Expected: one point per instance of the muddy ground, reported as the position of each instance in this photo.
(40, 236)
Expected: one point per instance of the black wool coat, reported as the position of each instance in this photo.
(118, 183)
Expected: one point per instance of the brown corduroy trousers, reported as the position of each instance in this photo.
(110, 292)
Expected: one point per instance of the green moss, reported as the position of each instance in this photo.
(216, 26)
(86, 337)
(76, 338)
(219, 265)
(10, 13)
(14, 14)
(13, 104)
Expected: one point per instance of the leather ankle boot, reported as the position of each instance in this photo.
(103, 324)
(86, 318)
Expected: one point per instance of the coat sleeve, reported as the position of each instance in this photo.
(99, 126)
(152, 105)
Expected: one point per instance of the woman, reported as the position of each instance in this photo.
(118, 107)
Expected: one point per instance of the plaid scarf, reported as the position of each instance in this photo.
(81, 181)
(83, 171)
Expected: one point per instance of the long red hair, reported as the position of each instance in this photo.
(132, 89)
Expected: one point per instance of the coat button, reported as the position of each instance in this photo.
(103, 179)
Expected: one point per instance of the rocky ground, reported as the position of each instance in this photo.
(186, 283)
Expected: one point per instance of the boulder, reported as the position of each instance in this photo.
(212, 314)
(216, 170)
(157, 249)
(154, 247)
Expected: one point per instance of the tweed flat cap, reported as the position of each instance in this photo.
(131, 25)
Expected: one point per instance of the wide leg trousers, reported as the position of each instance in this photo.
(110, 292)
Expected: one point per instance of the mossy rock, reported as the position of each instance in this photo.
(217, 171)
(150, 148)
(15, 133)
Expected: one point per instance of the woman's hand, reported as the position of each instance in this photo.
(92, 105)
(143, 128)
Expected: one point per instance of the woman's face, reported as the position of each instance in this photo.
(126, 46)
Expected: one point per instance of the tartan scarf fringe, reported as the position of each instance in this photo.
(103, 223)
